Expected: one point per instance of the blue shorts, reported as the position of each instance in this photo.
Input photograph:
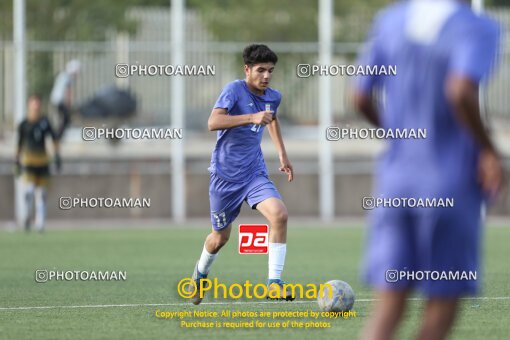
(227, 197)
(416, 240)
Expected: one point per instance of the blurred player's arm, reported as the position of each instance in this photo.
(473, 59)
(56, 147)
(57, 158)
(20, 142)
(17, 169)
(462, 93)
(363, 96)
(276, 137)
(365, 104)
(220, 119)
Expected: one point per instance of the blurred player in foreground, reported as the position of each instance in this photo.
(32, 161)
(238, 171)
(61, 94)
(442, 51)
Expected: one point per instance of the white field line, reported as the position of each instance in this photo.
(181, 304)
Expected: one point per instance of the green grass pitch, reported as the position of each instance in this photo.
(155, 260)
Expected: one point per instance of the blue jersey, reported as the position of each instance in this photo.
(427, 41)
(237, 156)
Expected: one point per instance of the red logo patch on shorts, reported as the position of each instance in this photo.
(253, 238)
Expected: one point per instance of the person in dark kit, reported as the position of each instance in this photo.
(32, 161)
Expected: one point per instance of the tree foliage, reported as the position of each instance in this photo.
(227, 20)
(283, 20)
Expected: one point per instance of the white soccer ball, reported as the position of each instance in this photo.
(341, 298)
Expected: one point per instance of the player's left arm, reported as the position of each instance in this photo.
(276, 137)
(56, 150)
(472, 61)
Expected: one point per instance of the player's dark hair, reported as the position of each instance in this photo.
(258, 54)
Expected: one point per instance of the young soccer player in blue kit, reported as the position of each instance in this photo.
(442, 51)
(238, 171)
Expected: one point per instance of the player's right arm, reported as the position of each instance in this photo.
(19, 145)
(221, 120)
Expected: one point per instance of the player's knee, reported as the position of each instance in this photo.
(281, 215)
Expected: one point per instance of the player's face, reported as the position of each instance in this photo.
(259, 76)
(34, 108)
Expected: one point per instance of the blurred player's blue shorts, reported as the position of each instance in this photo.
(404, 240)
(227, 197)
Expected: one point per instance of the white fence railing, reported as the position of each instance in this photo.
(299, 107)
